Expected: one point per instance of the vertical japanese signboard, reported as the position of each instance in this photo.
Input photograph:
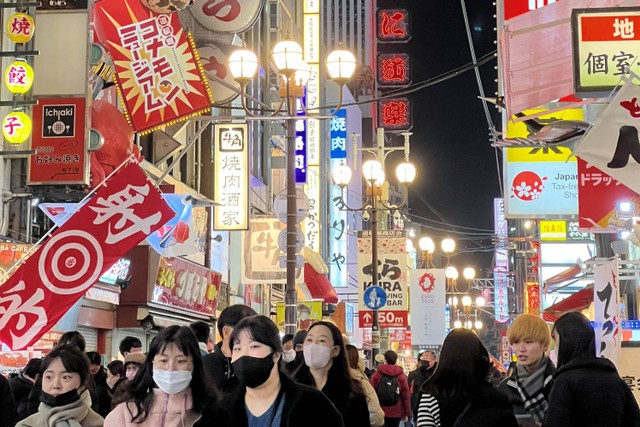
(337, 215)
(311, 47)
(231, 186)
(301, 149)
(58, 138)
(392, 278)
(606, 299)
(605, 45)
(158, 72)
(501, 269)
(395, 114)
(428, 302)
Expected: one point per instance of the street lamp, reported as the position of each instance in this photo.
(448, 245)
(464, 308)
(294, 73)
(374, 175)
(427, 246)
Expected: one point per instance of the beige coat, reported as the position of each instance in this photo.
(78, 413)
(376, 415)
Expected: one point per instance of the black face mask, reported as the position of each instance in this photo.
(61, 399)
(253, 371)
(424, 364)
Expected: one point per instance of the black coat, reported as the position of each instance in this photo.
(218, 371)
(21, 387)
(588, 392)
(415, 379)
(303, 406)
(8, 414)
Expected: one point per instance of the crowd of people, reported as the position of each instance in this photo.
(255, 378)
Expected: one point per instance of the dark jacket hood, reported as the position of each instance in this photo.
(392, 370)
(595, 363)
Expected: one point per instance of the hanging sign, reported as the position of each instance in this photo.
(43, 288)
(20, 27)
(395, 114)
(428, 303)
(394, 69)
(606, 299)
(227, 16)
(231, 185)
(158, 71)
(16, 127)
(18, 77)
(393, 25)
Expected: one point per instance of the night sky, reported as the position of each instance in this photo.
(457, 170)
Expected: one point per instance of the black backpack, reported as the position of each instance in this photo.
(387, 390)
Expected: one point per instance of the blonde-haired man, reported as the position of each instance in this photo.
(529, 385)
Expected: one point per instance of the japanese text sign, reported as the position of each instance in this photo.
(338, 235)
(393, 25)
(598, 197)
(395, 114)
(394, 69)
(312, 226)
(158, 72)
(605, 46)
(187, 286)
(392, 268)
(606, 301)
(231, 186)
(120, 215)
(501, 269)
(301, 148)
(338, 135)
(59, 141)
(532, 298)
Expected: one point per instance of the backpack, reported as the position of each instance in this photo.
(387, 390)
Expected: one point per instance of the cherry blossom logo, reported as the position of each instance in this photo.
(527, 186)
(427, 282)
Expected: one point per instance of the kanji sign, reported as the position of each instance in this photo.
(605, 46)
(158, 73)
(20, 27)
(59, 139)
(393, 25)
(338, 236)
(395, 114)
(118, 217)
(394, 69)
(231, 186)
(606, 299)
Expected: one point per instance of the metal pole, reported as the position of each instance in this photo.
(375, 326)
(292, 209)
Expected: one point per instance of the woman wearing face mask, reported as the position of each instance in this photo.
(288, 353)
(326, 368)
(169, 389)
(64, 400)
(356, 368)
(267, 397)
(115, 379)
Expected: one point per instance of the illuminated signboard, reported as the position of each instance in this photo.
(395, 114)
(338, 251)
(393, 25)
(301, 149)
(513, 8)
(312, 222)
(231, 187)
(394, 69)
(553, 230)
(501, 269)
(605, 44)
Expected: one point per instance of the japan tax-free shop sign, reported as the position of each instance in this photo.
(606, 42)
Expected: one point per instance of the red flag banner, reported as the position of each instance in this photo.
(158, 70)
(120, 215)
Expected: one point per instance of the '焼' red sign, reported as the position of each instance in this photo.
(159, 76)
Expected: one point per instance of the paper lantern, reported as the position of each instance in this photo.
(16, 127)
(20, 27)
(18, 77)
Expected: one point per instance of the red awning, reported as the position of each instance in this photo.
(318, 285)
(576, 302)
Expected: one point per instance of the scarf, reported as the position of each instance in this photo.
(531, 386)
(64, 416)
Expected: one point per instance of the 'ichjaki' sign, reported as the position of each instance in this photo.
(159, 75)
(605, 46)
(119, 216)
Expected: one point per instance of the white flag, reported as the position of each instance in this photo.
(612, 143)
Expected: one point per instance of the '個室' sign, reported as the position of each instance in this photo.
(158, 73)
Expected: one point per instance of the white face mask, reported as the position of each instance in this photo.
(130, 374)
(288, 355)
(172, 382)
(316, 355)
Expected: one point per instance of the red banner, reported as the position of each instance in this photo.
(185, 285)
(58, 138)
(159, 75)
(120, 215)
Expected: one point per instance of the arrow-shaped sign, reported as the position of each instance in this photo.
(367, 317)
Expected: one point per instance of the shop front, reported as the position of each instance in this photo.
(164, 292)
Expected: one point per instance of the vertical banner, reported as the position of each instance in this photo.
(312, 226)
(501, 269)
(532, 298)
(231, 186)
(606, 298)
(338, 250)
(158, 72)
(428, 302)
(119, 216)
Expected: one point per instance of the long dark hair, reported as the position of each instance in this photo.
(260, 329)
(339, 371)
(577, 338)
(462, 368)
(139, 390)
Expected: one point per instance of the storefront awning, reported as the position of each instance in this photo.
(576, 302)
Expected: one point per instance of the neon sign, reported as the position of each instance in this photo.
(393, 25)
(394, 69)
(395, 114)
